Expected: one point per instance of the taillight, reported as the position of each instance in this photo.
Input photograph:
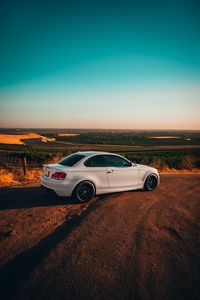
(59, 175)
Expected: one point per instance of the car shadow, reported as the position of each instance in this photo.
(27, 197)
(28, 260)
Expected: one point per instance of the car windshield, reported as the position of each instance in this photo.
(71, 160)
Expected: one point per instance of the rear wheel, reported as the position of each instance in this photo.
(151, 182)
(84, 191)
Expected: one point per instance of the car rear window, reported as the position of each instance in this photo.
(71, 160)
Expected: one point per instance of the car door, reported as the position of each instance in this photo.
(97, 171)
(121, 173)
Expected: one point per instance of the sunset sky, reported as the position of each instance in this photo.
(100, 64)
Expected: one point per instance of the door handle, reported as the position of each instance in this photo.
(111, 171)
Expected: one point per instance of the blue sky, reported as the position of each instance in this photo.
(100, 64)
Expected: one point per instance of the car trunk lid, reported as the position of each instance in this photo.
(49, 169)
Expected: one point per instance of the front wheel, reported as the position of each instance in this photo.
(84, 191)
(151, 182)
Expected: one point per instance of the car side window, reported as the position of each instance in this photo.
(116, 161)
(95, 161)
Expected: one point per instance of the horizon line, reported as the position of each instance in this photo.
(114, 129)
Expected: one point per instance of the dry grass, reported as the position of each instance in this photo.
(17, 139)
(188, 166)
(68, 134)
(7, 178)
(16, 177)
(33, 176)
(164, 137)
(167, 170)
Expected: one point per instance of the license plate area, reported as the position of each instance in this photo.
(46, 173)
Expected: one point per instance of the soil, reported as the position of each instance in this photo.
(131, 245)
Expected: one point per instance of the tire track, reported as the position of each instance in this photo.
(146, 262)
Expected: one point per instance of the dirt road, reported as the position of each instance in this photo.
(132, 245)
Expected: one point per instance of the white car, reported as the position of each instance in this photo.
(84, 174)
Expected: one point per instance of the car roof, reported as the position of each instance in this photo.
(91, 153)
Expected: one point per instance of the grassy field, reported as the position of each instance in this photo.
(76, 137)
(19, 139)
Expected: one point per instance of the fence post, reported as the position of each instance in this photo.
(24, 165)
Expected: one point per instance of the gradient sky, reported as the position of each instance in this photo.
(100, 64)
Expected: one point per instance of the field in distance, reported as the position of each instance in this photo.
(98, 139)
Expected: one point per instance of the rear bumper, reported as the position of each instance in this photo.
(47, 189)
(61, 188)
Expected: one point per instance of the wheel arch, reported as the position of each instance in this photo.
(85, 180)
(151, 173)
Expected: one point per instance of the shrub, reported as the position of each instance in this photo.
(158, 164)
(188, 162)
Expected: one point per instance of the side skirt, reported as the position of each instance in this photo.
(105, 191)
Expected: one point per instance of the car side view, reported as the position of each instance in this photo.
(82, 175)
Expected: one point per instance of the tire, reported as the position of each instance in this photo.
(84, 191)
(151, 182)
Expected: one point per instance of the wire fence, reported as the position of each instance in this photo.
(12, 162)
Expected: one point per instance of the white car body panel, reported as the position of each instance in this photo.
(123, 177)
(104, 179)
